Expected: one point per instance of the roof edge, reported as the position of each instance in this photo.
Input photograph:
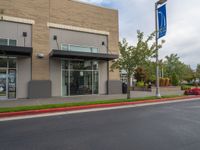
(87, 3)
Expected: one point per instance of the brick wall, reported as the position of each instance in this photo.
(65, 12)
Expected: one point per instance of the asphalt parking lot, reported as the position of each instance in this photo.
(174, 126)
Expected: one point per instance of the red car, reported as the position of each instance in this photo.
(193, 91)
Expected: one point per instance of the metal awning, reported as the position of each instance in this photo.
(83, 55)
(15, 50)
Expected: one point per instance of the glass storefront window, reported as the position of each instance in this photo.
(77, 48)
(95, 50)
(87, 65)
(64, 47)
(81, 78)
(3, 41)
(3, 62)
(95, 82)
(12, 83)
(7, 42)
(80, 82)
(3, 83)
(12, 42)
(80, 49)
(7, 77)
(65, 64)
(95, 65)
(81, 65)
(65, 84)
(12, 63)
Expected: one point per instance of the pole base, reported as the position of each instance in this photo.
(158, 95)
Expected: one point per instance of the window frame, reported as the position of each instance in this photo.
(8, 41)
(81, 46)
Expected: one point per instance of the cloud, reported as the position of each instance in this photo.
(183, 25)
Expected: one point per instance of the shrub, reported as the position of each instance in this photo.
(186, 92)
(166, 81)
(140, 84)
(162, 82)
(185, 87)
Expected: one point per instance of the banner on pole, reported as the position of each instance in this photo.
(162, 21)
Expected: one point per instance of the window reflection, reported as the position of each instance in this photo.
(77, 48)
(81, 78)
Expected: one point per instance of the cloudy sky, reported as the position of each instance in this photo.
(183, 36)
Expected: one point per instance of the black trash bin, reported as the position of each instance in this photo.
(124, 88)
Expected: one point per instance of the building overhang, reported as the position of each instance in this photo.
(15, 50)
(83, 55)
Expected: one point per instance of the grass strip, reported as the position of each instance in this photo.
(39, 107)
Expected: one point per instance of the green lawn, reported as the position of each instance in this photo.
(39, 107)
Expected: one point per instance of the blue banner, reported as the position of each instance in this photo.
(162, 21)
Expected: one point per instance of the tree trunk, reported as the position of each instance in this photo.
(128, 87)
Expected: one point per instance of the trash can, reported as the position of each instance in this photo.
(124, 88)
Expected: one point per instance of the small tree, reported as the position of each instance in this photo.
(175, 80)
(198, 71)
(140, 74)
(132, 57)
(174, 67)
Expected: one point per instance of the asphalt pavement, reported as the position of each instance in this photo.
(174, 126)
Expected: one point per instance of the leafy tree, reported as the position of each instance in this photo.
(198, 71)
(140, 74)
(173, 66)
(175, 79)
(150, 69)
(177, 70)
(133, 56)
(188, 73)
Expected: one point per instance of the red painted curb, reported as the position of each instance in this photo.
(52, 110)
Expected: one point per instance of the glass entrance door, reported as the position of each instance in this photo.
(7, 78)
(11, 83)
(80, 82)
(80, 77)
(3, 83)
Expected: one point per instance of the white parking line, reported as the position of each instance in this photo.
(93, 110)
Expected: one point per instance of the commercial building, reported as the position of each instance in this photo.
(54, 48)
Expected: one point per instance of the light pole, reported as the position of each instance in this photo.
(160, 2)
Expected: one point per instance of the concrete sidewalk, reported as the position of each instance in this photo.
(58, 100)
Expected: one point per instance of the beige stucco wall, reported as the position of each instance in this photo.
(55, 76)
(23, 76)
(103, 77)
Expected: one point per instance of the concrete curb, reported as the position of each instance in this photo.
(73, 108)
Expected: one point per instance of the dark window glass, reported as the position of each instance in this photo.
(65, 64)
(95, 82)
(80, 82)
(65, 84)
(81, 65)
(95, 65)
(80, 49)
(12, 63)
(64, 47)
(13, 42)
(3, 41)
(12, 83)
(3, 62)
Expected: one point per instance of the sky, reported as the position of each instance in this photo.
(183, 17)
